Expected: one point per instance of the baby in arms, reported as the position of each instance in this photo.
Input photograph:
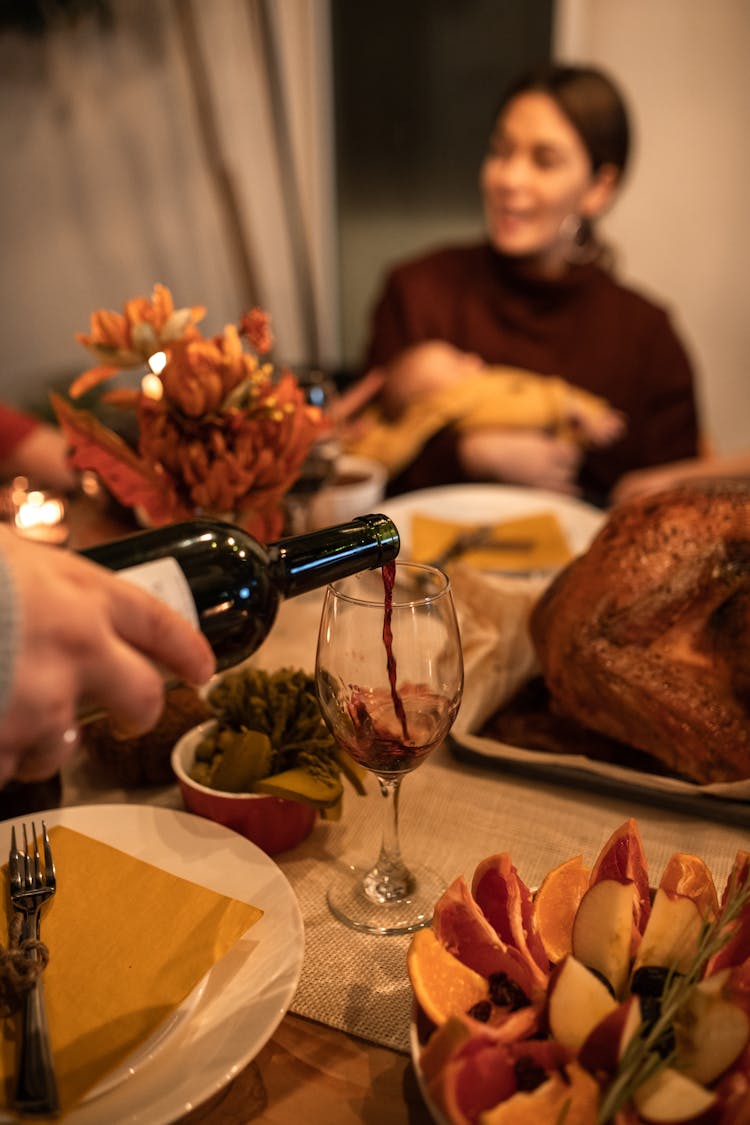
(433, 385)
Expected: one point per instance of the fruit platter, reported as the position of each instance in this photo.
(604, 996)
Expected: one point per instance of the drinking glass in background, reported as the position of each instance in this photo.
(320, 463)
(356, 488)
(389, 676)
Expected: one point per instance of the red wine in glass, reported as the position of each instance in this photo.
(389, 675)
(387, 748)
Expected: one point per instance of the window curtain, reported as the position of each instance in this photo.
(183, 142)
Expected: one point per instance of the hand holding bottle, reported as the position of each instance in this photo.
(74, 633)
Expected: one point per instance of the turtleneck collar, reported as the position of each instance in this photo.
(520, 275)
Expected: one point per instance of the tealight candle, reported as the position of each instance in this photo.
(41, 517)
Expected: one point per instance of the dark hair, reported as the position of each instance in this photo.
(591, 102)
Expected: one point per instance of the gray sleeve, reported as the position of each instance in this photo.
(9, 630)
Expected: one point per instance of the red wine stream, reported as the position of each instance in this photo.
(389, 578)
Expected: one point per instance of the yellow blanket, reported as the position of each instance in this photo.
(498, 397)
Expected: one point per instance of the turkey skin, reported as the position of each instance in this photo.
(646, 637)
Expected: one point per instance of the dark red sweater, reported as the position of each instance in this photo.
(586, 328)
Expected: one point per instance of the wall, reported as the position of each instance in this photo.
(682, 225)
(413, 113)
(183, 143)
(93, 212)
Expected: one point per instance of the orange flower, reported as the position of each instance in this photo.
(201, 374)
(256, 325)
(129, 338)
(217, 434)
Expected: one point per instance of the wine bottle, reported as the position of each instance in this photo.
(230, 585)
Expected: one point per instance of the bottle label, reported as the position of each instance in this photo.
(165, 579)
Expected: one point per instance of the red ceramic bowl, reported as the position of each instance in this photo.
(273, 823)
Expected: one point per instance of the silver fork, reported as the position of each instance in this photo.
(31, 885)
(476, 537)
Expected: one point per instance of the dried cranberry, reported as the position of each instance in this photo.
(506, 993)
(529, 1074)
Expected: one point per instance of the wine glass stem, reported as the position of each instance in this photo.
(389, 880)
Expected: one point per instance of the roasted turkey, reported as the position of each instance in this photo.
(646, 637)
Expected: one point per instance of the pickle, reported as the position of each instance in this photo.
(322, 791)
(245, 757)
(271, 739)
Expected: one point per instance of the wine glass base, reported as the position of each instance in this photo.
(349, 903)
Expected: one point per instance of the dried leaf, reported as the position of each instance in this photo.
(127, 477)
(91, 378)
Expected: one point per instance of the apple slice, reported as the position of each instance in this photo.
(603, 931)
(670, 939)
(576, 1002)
(670, 1098)
(711, 1033)
(605, 1044)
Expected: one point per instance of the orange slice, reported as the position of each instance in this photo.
(442, 984)
(556, 903)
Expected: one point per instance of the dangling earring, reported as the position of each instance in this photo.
(582, 246)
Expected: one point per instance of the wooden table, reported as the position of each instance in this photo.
(314, 1074)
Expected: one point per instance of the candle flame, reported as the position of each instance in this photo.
(151, 386)
(157, 362)
(38, 510)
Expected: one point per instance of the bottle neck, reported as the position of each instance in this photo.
(307, 562)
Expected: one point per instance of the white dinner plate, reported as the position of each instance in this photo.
(488, 503)
(240, 1001)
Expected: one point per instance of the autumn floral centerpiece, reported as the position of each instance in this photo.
(220, 432)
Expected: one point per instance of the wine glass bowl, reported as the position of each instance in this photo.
(389, 674)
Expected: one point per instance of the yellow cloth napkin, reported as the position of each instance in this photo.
(127, 942)
(548, 544)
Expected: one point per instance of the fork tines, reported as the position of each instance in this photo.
(32, 885)
(25, 865)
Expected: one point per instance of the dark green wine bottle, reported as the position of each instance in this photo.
(231, 585)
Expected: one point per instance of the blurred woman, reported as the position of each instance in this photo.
(539, 293)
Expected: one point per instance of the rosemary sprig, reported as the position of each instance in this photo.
(641, 1059)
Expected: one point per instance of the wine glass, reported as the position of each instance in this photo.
(389, 674)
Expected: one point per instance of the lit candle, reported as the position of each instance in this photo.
(41, 517)
(151, 385)
(157, 362)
